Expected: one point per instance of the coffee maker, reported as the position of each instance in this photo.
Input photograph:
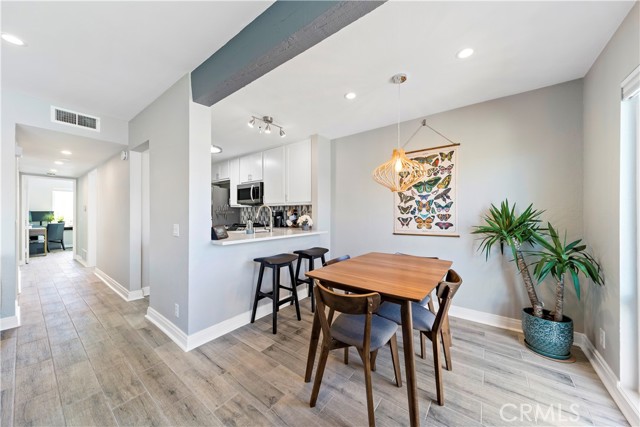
(278, 219)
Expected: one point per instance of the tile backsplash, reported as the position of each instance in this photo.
(250, 212)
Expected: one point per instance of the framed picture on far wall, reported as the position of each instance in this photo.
(430, 207)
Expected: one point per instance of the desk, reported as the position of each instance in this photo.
(397, 278)
(35, 232)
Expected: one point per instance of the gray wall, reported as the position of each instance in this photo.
(81, 225)
(525, 147)
(112, 240)
(165, 125)
(602, 187)
(18, 108)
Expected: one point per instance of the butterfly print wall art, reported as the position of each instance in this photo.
(429, 207)
(404, 209)
(404, 222)
(405, 198)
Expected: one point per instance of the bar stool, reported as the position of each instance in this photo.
(311, 255)
(275, 262)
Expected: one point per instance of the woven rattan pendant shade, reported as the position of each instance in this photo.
(399, 173)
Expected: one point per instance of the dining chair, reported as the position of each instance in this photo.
(334, 261)
(355, 326)
(55, 234)
(430, 324)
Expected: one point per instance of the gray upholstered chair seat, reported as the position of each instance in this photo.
(348, 328)
(425, 301)
(423, 319)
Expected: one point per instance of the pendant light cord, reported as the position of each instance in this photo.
(398, 115)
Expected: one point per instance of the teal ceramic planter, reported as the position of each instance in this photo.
(547, 337)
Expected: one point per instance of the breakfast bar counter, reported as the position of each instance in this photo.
(260, 235)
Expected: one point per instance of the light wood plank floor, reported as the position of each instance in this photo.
(86, 357)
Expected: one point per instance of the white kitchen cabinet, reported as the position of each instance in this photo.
(234, 178)
(274, 176)
(251, 167)
(298, 173)
(220, 171)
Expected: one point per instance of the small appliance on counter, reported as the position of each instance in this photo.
(278, 219)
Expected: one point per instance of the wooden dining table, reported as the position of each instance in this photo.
(401, 279)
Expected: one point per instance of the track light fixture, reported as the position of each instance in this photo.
(267, 121)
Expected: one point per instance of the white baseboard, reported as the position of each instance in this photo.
(123, 292)
(485, 318)
(81, 261)
(625, 402)
(189, 342)
(166, 326)
(11, 321)
(146, 290)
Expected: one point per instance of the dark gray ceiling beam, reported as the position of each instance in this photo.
(283, 31)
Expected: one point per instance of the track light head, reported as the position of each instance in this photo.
(264, 125)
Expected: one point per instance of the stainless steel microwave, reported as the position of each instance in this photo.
(250, 194)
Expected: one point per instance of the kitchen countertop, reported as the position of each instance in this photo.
(240, 237)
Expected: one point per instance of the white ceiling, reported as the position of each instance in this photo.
(106, 59)
(519, 46)
(41, 147)
(115, 58)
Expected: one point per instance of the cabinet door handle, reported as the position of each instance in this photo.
(252, 193)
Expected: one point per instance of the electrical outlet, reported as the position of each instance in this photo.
(602, 339)
(176, 230)
(176, 310)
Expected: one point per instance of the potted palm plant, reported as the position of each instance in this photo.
(552, 334)
(502, 226)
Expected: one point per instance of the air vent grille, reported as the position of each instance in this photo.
(72, 118)
(88, 122)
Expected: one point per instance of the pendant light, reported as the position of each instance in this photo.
(399, 173)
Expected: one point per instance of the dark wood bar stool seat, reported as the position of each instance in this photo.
(311, 255)
(276, 262)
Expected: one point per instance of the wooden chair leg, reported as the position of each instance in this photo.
(346, 356)
(393, 343)
(313, 346)
(437, 365)
(374, 356)
(294, 291)
(275, 293)
(319, 373)
(367, 379)
(446, 331)
(256, 298)
(447, 353)
(423, 346)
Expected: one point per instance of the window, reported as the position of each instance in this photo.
(629, 233)
(63, 205)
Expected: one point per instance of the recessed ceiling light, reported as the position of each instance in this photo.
(350, 95)
(66, 152)
(12, 39)
(58, 162)
(464, 53)
(215, 149)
